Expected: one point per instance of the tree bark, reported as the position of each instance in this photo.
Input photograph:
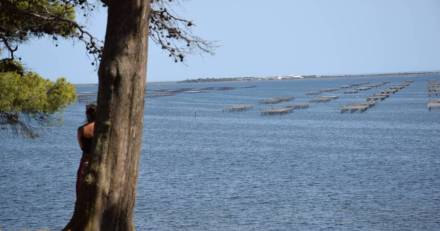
(106, 197)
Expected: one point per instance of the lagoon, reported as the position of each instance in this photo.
(203, 168)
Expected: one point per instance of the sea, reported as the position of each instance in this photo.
(206, 168)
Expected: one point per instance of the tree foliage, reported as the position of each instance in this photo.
(21, 20)
(32, 94)
(24, 95)
(27, 95)
(173, 34)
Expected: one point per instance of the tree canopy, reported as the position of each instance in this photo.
(31, 94)
(27, 96)
(21, 20)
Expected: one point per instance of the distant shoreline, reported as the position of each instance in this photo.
(297, 77)
(283, 77)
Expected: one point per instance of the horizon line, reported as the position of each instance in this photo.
(324, 75)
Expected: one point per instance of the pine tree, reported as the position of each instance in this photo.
(106, 197)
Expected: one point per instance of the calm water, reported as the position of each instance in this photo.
(204, 169)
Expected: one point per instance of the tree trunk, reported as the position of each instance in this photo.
(107, 195)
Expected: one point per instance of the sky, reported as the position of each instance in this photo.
(278, 37)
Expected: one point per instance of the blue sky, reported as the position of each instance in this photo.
(259, 38)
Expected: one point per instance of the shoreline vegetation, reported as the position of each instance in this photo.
(295, 77)
(283, 77)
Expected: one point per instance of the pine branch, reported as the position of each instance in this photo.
(173, 33)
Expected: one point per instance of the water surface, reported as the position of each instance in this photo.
(204, 169)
